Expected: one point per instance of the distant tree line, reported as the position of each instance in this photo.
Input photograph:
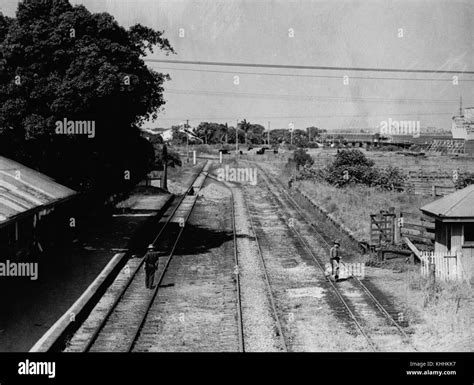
(248, 133)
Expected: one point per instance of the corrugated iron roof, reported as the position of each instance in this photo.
(459, 204)
(23, 189)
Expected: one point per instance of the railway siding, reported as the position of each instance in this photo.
(312, 317)
(258, 321)
(377, 325)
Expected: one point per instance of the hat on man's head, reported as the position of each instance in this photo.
(337, 242)
(150, 246)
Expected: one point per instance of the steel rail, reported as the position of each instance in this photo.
(267, 280)
(240, 323)
(336, 290)
(137, 332)
(132, 276)
(366, 290)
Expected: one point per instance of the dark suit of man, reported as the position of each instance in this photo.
(151, 260)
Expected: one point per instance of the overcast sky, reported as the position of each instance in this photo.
(436, 35)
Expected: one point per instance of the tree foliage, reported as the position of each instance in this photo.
(61, 61)
(353, 167)
(302, 158)
(314, 132)
(464, 180)
(211, 133)
(172, 157)
(350, 166)
(216, 133)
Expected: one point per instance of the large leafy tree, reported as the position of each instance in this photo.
(302, 158)
(210, 133)
(351, 166)
(300, 138)
(231, 134)
(255, 134)
(245, 126)
(59, 61)
(314, 132)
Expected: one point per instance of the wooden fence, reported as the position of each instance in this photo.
(447, 266)
(418, 227)
(389, 228)
(382, 228)
(433, 183)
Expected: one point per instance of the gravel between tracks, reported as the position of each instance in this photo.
(259, 325)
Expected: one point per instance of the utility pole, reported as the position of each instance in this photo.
(237, 137)
(268, 134)
(187, 141)
(164, 175)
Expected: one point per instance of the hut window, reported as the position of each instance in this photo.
(469, 233)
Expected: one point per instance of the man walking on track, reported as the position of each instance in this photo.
(290, 181)
(151, 260)
(335, 258)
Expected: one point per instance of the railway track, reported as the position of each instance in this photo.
(236, 267)
(201, 309)
(271, 295)
(240, 323)
(116, 324)
(372, 320)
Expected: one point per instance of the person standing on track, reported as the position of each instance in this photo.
(151, 260)
(335, 258)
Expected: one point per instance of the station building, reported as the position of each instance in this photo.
(27, 197)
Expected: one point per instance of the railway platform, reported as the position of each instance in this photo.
(118, 293)
(66, 273)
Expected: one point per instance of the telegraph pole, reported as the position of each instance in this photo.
(268, 134)
(237, 137)
(187, 141)
(164, 175)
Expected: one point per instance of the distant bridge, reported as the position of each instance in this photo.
(367, 140)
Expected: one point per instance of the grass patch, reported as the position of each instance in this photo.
(353, 205)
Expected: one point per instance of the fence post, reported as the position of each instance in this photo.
(380, 255)
(459, 267)
(432, 273)
(398, 230)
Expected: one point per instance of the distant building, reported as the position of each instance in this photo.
(463, 128)
(167, 133)
(463, 125)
